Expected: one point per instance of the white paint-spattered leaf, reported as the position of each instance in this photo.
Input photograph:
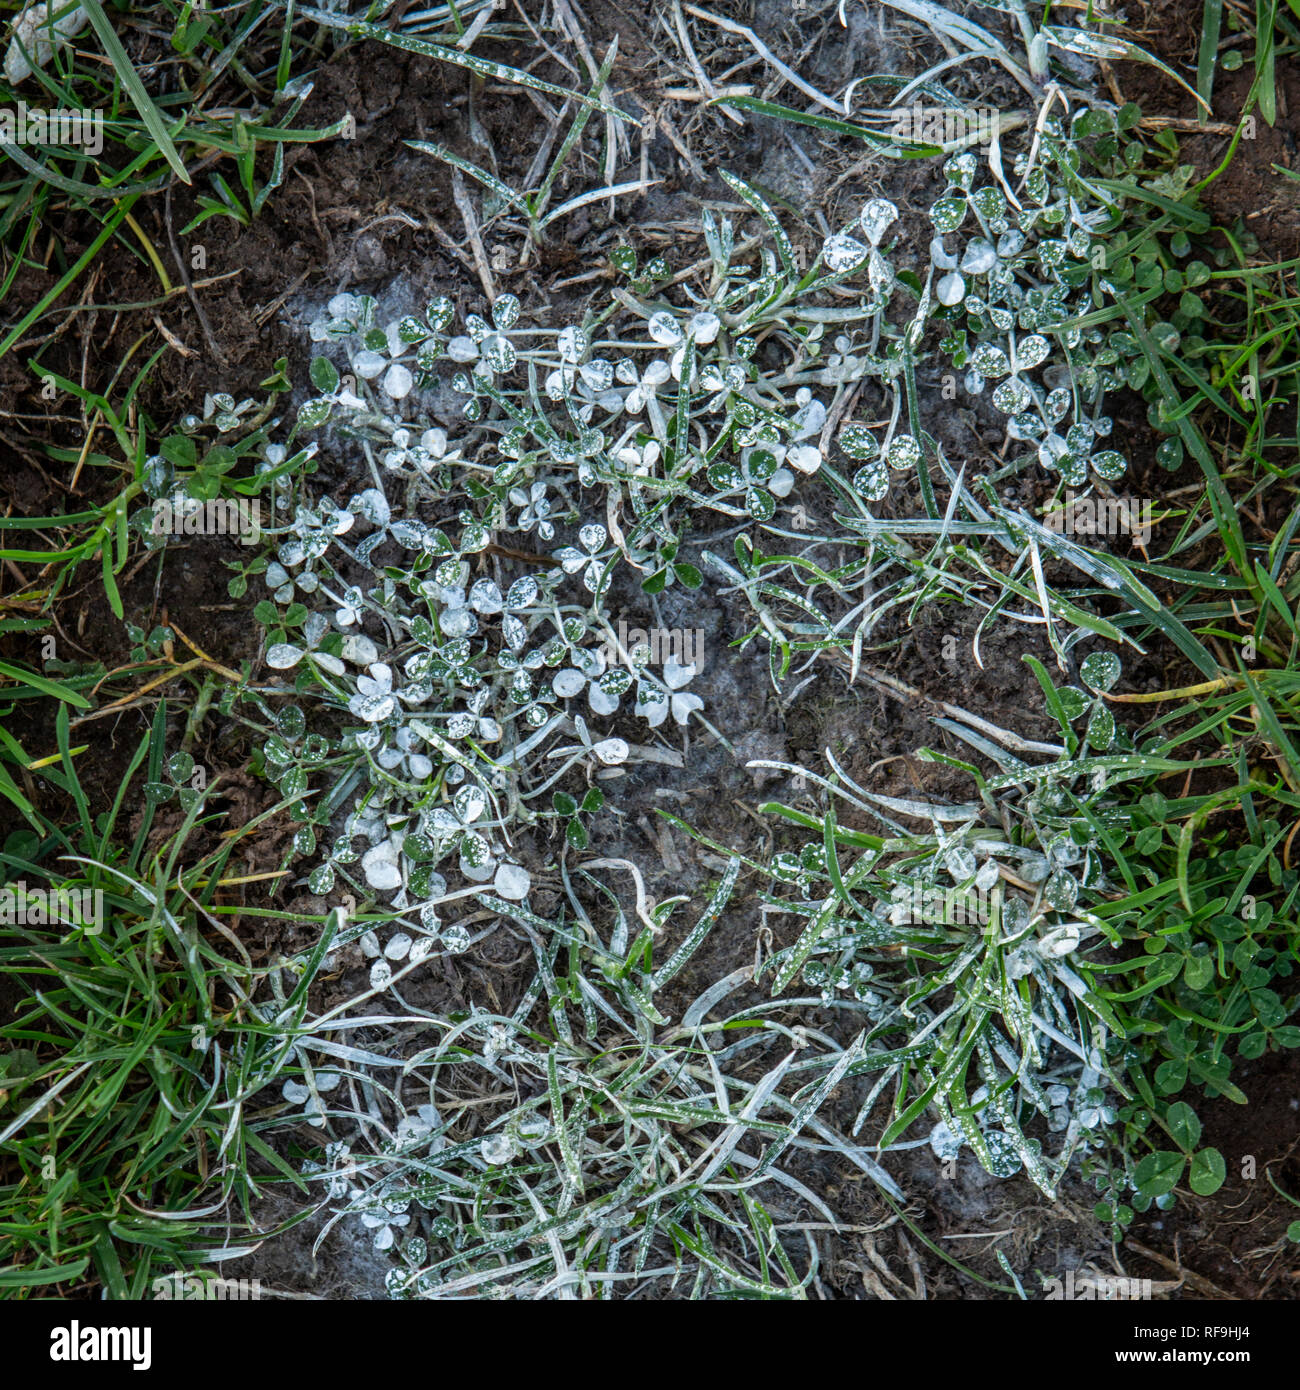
(1012, 395)
(1100, 671)
(1108, 464)
(1004, 1157)
(283, 656)
(398, 381)
(842, 253)
(512, 882)
(359, 650)
(948, 214)
(380, 866)
(880, 274)
(651, 704)
(876, 219)
(903, 453)
(979, 257)
(858, 442)
(1032, 352)
(664, 330)
(611, 751)
(990, 361)
(704, 327)
(572, 343)
(950, 289)
(1061, 891)
(1059, 941)
(505, 311)
(499, 352)
(371, 708)
(872, 480)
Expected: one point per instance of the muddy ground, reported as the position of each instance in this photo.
(370, 215)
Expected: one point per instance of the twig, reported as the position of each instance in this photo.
(707, 92)
(460, 195)
(900, 690)
(1194, 1281)
(213, 346)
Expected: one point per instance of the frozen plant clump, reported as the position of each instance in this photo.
(980, 943)
(452, 615)
(456, 608)
(612, 1142)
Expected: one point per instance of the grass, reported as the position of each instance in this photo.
(1047, 974)
(1273, 31)
(533, 205)
(135, 1051)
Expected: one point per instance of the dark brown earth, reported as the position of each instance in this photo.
(353, 214)
(1250, 188)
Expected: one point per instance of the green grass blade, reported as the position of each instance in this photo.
(1265, 58)
(130, 79)
(1208, 57)
(56, 689)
